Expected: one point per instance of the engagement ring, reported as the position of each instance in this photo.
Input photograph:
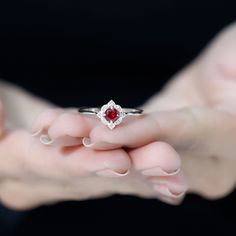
(110, 114)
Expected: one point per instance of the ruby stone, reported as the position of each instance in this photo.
(111, 114)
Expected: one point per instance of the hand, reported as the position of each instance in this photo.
(32, 174)
(66, 128)
(196, 115)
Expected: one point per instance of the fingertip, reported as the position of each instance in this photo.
(86, 162)
(156, 157)
(167, 155)
(68, 124)
(170, 200)
(44, 120)
(118, 160)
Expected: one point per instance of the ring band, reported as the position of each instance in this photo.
(110, 114)
(96, 110)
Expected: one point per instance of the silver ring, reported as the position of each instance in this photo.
(110, 114)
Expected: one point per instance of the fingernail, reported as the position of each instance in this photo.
(111, 173)
(33, 134)
(164, 190)
(157, 171)
(45, 139)
(99, 145)
(87, 142)
(169, 200)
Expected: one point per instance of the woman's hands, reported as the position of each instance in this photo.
(191, 124)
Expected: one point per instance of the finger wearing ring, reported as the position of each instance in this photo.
(110, 114)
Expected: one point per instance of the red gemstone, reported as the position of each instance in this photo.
(111, 114)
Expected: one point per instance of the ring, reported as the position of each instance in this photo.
(110, 114)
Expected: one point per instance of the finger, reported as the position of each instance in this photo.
(65, 141)
(187, 128)
(160, 164)
(73, 163)
(69, 127)
(44, 120)
(30, 158)
(170, 200)
(84, 162)
(170, 186)
(156, 159)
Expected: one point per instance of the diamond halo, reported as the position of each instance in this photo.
(115, 118)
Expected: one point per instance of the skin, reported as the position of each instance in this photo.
(187, 147)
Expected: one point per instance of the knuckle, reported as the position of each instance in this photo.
(68, 123)
(49, 113)
(65, 117)
(45, 118)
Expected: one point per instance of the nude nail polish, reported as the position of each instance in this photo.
(46, 140)
(36, 133)
(87, 142)
(99, 145)
(169, 200)
(111, 173)
(157, 171)
(164, 190)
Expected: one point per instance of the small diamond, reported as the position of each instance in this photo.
(99, 114)
(111, 125)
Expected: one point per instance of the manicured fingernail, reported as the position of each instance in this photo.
(111, 173)
(46, 140)
(169, 200)
(164, 190)
(99, 145)
(87, 142)
(33, 134)
(157, 171)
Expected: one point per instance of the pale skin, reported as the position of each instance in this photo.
(185, 142)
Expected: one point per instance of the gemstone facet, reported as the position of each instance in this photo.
(112, 114)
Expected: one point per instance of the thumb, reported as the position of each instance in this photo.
(187, 129)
